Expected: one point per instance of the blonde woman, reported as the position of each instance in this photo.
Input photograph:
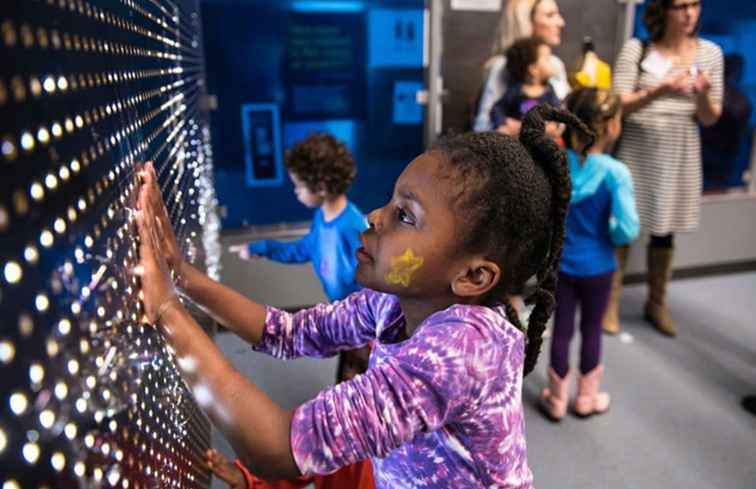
(521, 18)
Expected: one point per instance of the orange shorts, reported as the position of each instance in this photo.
(356, 476)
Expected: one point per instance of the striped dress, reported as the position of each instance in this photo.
(660, 142)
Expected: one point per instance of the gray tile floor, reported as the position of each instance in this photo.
(675, 421)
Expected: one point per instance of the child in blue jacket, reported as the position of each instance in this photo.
(601, 217)
(321, 169)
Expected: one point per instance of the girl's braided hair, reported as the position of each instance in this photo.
(514, 196)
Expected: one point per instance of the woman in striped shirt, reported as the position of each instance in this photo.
(668, 86)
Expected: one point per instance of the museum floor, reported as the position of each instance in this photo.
(675, 422)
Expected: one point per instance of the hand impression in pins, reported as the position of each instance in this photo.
(165, 234)
(158, 291)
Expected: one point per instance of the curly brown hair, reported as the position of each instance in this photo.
(323, 163)
(520, 55)
(514, 196)
(655, 19)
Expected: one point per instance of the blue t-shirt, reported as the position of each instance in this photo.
(602, 215)
(330, 246)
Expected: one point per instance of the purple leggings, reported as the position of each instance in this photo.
(592, 293)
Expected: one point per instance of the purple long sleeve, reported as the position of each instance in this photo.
(325, 329)
(440, 409)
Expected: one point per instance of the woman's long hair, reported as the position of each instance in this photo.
(516, 22)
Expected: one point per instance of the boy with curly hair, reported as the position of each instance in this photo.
(321, 169)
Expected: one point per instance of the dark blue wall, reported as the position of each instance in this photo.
(247, 45)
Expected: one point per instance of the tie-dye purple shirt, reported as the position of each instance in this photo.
(440, 409)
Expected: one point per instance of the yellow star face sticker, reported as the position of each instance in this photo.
(402, 268)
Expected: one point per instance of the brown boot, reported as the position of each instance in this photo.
(659, 274)
(611, 324)
(589, 400)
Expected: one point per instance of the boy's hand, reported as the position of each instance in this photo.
(242, 251)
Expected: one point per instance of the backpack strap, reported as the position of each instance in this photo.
(645, 44)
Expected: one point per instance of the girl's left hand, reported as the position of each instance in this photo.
(157, 287)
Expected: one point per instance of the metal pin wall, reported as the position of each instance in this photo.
(88, 90)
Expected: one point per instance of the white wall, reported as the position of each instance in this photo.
(727, 234)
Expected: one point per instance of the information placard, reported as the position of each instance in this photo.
(262, 145)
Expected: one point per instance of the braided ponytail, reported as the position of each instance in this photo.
(514, 197)
(551, 158)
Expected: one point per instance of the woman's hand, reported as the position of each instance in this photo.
(707, 112)
(679, 84)
(157, 287)
(702, 84)
(166, 238)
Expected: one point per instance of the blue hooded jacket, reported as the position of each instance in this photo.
(601, 216)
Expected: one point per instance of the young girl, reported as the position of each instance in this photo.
(602, 215)
(440, 406)
(529, 69)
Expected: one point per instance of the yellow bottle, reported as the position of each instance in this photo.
(592, 71)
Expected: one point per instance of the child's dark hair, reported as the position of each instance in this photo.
(595, 108)
(323, 163)
(514, 197)
(520, 55)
